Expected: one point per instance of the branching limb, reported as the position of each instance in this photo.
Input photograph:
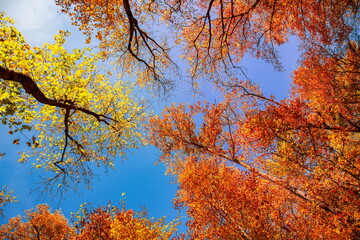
(31, 88)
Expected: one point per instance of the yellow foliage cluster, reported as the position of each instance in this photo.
(100, 118)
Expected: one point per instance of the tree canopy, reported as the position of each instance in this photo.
(214, 35)
(110, 222)
(249, 166)
(68, 104)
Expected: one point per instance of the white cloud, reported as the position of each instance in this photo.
(38, 20)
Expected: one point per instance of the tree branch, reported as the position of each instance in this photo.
(31, 88)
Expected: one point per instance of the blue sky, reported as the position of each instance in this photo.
(144, 183)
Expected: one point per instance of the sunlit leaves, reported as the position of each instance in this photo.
(218, 34)
(112, 222)
(84, 117)
(267, 169)
(302, 150)
(124, 33)
(126, 225)
(109, 222)
(37, 224)
(214, 35)
(6, 197)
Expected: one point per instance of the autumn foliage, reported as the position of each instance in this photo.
(214, 35)
(303, 151)
(78, 115)
(113, 222)
(108, 222)
(249, 166)
(39, 224)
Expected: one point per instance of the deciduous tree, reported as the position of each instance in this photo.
(6, 197)
(39, 224)
(249, 167)
(113, 222)
(124, 32)
(75, 116)
(107, 222)
(305, 147)
(214, 34)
